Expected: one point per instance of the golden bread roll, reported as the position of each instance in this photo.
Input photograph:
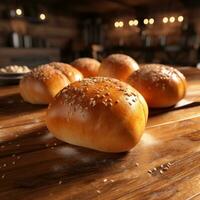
(161, 86)
(99, 113)
(118, 66)
(70, 72)
(42, 84)
(89, 67)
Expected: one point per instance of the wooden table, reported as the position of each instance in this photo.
(164, 165)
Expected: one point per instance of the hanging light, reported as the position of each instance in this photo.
(121, 24)
(172, 19)
(116, 24)
(136, 22)
(145, 21)
(180, 18)
(165, 20)
(151, 21)
(133, 22)
(18, 12)
(42, 16)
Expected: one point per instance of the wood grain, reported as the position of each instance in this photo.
(35, 165)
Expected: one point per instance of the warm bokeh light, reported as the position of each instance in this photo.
(121, 24)
(136, 22)
(180, 18)
(146, 21)
(42, 16)
(19, 11)
(165, 20)
(172, 19)
(151, 21)
(133, 22)
(116, 24)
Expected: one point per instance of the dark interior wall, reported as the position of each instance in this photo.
(57, 30)
(76, 34)
(48, 38)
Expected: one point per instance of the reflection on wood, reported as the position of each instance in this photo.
(35, 165)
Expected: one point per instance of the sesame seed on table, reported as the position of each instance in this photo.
(164, 165)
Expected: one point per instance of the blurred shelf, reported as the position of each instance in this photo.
(30, 57)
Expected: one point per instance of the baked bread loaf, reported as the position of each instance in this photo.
(118, 66)
(98, 113)
(161, 86)
(42, 84)
(89, 67)
(70, 72)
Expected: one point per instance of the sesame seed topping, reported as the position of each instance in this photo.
(165, 168)
(156, 74)
(98, 191)
(89, 94)
(105, 180)
(161, 171)
(45, 72)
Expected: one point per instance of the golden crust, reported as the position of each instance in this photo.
(89, 67)
(99, 113)
(118, 66)
(42, 84)
(161, 86)
(70, 72)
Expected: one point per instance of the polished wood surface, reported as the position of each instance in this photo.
(164, 165)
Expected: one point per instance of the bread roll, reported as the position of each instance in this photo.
(42, 84)
(161, 86)
(118, 66)
(89, 67)
(98, 113)
(70, 72)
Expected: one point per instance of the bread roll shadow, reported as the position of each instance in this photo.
(14, 104)
(71, 163)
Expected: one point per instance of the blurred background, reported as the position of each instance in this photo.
(34, 32)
